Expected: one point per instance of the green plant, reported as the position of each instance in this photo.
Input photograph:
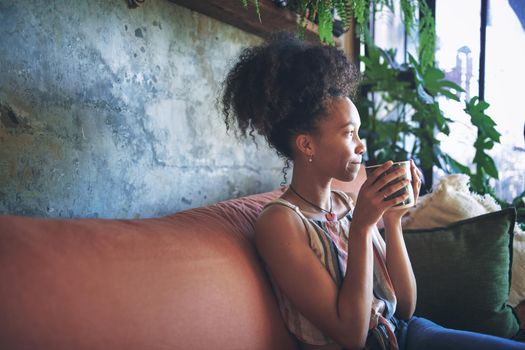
(399, 107)
(400, 111)
(257, 9)
(324, 14)
(327, 12)
(484, 165)
(401, 116)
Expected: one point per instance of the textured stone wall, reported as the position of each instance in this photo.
(109, 112)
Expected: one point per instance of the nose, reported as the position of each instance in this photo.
(361, 147)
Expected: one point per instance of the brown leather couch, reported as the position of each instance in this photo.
(192, 280)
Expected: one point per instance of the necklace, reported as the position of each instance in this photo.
(330, 216)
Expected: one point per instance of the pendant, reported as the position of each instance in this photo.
(330, 216)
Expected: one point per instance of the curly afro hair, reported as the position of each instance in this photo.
(282, 87)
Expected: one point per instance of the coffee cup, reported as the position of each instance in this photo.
(410, 201)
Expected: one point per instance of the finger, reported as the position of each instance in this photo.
(414, 169)
(395, 187)
(391, 176)
(416, 189)
(379, 171)
(374, 174)
(416, 181)
(417, 175)
(414, 172)
(397, 200)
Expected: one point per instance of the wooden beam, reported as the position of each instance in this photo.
(273, 18)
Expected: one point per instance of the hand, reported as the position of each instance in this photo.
(371, 204)
(392, 216)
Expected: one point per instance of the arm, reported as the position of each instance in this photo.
(397, 260)
(342, 313)
(400, 269)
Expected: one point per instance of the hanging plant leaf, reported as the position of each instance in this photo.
(325, 24)
(455, 166)
(489, 166)
(476, 109)
(343, 9)
(409, 8)
(425, 98)
(360, 11)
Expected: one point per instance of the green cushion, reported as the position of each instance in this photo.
(463, 273)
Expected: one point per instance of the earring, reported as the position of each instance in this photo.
(310, 159)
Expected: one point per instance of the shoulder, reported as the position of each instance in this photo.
(277, 226)
(276, 218)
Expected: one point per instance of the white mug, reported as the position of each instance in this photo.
(410, 201)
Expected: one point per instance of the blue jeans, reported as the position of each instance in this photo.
(421, 334)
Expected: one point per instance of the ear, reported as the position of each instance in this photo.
(305, 144)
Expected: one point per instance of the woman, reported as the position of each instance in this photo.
(339, 285)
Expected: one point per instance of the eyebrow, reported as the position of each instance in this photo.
(349, 123)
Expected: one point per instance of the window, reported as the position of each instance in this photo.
(489, 66)
(504, 79)
(460, 49)
(457, 54)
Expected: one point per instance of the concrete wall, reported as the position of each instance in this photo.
(109, 112)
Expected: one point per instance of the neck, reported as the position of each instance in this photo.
(314, 190)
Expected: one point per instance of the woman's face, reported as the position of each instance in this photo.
(338, 148)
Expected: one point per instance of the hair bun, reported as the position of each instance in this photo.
(281, 87)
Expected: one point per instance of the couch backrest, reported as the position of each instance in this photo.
(188, 281)
(191, 280)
